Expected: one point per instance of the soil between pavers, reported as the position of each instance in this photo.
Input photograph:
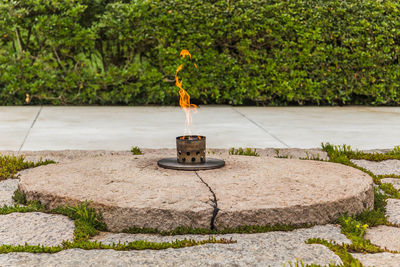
(132, 191)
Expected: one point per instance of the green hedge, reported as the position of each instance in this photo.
(274, 52)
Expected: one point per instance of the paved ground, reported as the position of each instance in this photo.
(264, 249)
(267, 249)
(118, 128)
(132, 191)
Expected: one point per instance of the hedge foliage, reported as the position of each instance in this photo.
(273, 52)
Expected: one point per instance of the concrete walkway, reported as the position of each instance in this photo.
(119, 128)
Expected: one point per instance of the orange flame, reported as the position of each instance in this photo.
(184, 100)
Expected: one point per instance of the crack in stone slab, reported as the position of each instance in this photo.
(214, 201)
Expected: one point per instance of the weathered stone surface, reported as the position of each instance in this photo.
(385, 237)
(7, 189)
(133, 191)
(68, 155)
(129, 191)
(384, 259)
(65, 155)
(35, 228)
(294, 153)
(394, 181)
(393, 211)
(329, 232)
(267, 249)
(264, 190)
(380, 167)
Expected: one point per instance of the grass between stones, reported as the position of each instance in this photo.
(354, 227)
(88, 224)
(11, 165)
(88, 245)
(244, 152)
(346, 151)
(248, 229)
(136, 150)
(344, 154)
(340, 250)
(278, 155)
(30, 207)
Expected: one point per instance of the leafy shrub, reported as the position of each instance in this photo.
(266, 52)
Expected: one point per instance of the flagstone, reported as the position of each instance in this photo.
(384, 167)
(35, 228)
(7, 189)
(132, 191)
(386, 237)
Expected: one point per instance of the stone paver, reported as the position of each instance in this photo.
(128, 190)
(393, 211)
(132, 191)
(35, 228)
(257, 190)
(68, 155)
(380, 167)
(7, 189)
(385, 237)
(274, 249)
(384, 259)
(394, 181)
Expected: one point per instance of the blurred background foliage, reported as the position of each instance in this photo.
(272, 52)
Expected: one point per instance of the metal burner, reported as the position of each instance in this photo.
(191, 149)
(191, 155)
(172, 163)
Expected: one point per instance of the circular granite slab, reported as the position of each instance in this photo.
(132, 191)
